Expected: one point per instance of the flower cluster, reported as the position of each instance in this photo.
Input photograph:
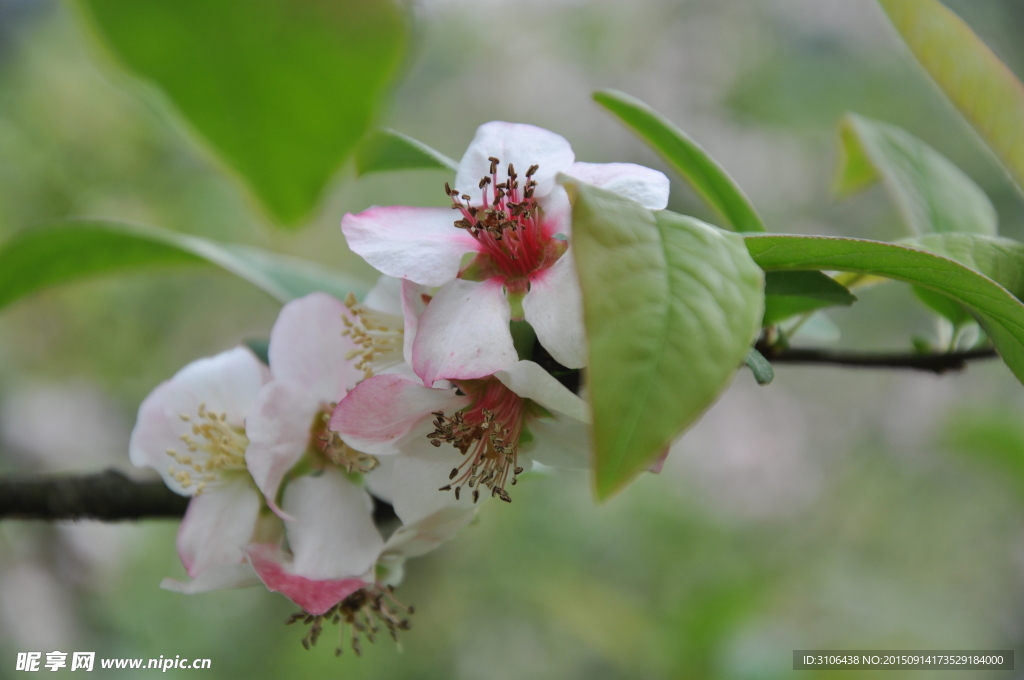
(415, 404)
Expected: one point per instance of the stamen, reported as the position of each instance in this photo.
(223, 445)
(359, 613)
(378, 337)
(337, 451)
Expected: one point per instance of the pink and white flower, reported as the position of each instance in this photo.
(456, 445)
(191, 429)
(515, 228)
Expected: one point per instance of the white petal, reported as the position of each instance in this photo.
(226, 383)
(521, 145)
(419, 538)
(218, 523)
(419, 244)
(420, 471)
(560, 442)
(644, 185)
(557, 212)
(307, 347)
(333, 535)
(381, 411)
(413, 306)
(530, 381)
(220, 577)
(279, 434)
(554, 307)
(385, 296)
(378, 480)
(464, 333)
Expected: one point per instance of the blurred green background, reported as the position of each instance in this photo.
(832, 509)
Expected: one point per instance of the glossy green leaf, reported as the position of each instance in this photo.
(985, 91)
(1000, 259)
(711, 182)
(788, 294)
(932, 194)
(281, 89)
(1000, 313)
(952, 311)
(39, 258)
(760, 367)
(671, 307)
(385, 149)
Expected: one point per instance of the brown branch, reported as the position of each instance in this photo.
(108, 496)
(933, 363)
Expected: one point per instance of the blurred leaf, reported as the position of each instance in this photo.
(671, 307)
(385, 149)
(788, 294)
(996, 438)
(984, 90)
(711, 182)
(932, 194)
(36, 259)
(999, 312)
(760, 367)
(282, 89)
(260, 347)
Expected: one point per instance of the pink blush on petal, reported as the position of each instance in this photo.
(315, 597)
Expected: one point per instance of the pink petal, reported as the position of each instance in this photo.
(315, 597)
(557, 212)
(554, 307)
(226, 383)
(218, 523)
(464, 333)
(381, 411)
(419, 244)
(644, 185)
(530, 381)
(307, 347)
(521, 145)
(279, 435)
(333, 535)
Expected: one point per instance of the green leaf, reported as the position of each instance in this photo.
(685, 156)
(984, 90)
(281, 89)
(760, 367)
(39, 258)
(1000, 259)
(385, 149)
(788, 294)
(1000, 313)
(952, 311)
(932, 194)
(671, 307)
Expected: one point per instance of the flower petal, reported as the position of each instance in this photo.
(414, 302)
(315, 597)
(419, 474)
(530, 381)
(419, 538)
(646, 186)
(221, 577)
(378, 480)
(226, 383)
(333, 535)
(518, 144)
(385, 296)
(382, 410)
(279, 435)
(464, 333)
(554, 307)
(218, 523)
(560, 442)
(307, 347)
(419, 244)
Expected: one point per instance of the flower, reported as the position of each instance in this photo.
(516, 229)
(454, 443)
(191, 429)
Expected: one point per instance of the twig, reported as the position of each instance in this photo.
(933, 363)
(109, 496)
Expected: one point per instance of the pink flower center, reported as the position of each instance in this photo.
(509, 227)
(487, 434)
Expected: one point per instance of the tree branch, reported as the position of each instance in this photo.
(933, 363)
